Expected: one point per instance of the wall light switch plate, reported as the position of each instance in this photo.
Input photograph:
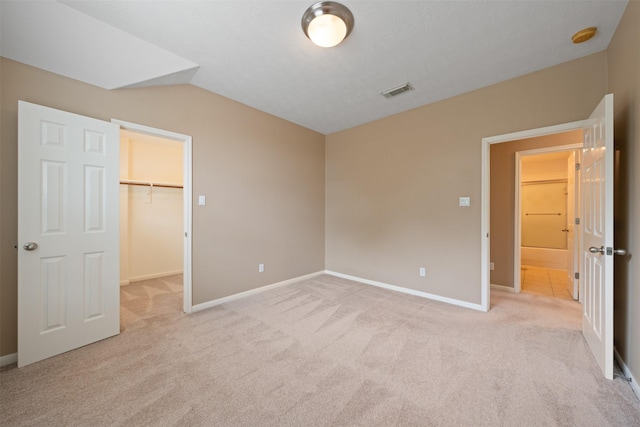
(465, 201)
(202, 200)
(423, 272)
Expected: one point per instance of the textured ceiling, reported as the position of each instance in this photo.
(256, 53)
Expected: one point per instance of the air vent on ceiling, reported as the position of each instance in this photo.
(397, 90)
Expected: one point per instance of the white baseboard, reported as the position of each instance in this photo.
(150, 276)
(8, 359)
(503, 288)
(627, 373)
(408, 291)
(213, 303)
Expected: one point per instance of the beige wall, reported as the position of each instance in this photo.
(150, 159)
(624, 82)
(502, 206)
(546, 167)
(392, 185)
(263, 178)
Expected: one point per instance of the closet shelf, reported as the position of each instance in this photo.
(149, 184)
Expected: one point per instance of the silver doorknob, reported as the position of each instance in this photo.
(595, 250)
(30, 246)
(619, 252)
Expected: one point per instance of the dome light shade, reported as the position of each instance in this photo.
(584, 35)
(327, 23)
(327, 30)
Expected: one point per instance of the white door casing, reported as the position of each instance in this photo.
(597, 234)
(68, 204)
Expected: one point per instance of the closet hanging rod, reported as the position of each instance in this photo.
(545, 181)
(149, 184)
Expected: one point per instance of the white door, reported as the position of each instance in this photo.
(68, 232)
(597, 234)
(572, 203)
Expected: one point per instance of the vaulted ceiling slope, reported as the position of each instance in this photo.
(256, 53)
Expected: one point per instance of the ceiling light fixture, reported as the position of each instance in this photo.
(327, 23)
(584, 35)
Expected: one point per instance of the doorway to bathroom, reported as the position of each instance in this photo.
(506, 213)
(547, 201)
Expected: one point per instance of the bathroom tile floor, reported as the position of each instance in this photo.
(545, 281)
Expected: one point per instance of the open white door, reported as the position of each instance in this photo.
(597, 234)
(68, 232)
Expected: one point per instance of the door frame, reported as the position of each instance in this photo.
(485, 282)
(187, 165)
(517, 230)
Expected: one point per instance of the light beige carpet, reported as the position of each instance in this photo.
(322, 352)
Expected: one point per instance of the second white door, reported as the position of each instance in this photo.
(68, 231)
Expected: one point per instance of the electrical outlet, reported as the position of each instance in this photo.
(491, 266)
(260, 268)
(423, 272)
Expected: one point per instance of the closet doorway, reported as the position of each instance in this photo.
(155, 222)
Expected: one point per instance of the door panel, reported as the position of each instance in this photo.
(597, 234)
(68, 205)
(54, 290)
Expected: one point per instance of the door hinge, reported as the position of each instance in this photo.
(577, 221)
(577, 166)
(576, 276)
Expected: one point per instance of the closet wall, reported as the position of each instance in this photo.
(151, 217)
